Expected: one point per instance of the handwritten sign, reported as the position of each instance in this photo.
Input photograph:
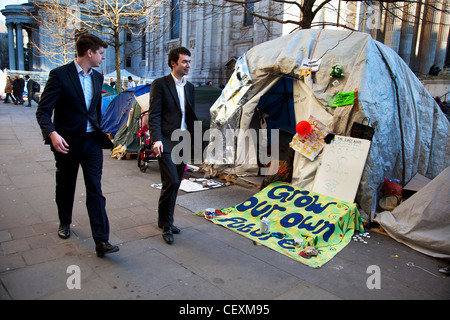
(314, 64)
(342, 165)
(309, 66)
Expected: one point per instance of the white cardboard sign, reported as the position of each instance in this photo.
(341, 168)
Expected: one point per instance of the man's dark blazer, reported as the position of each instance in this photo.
(63, 96)
(165, 111)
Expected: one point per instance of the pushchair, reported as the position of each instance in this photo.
(145, 154)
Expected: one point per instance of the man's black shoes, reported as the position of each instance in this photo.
(175, 229)
(64, 231)
(105, 247)
(168, 235)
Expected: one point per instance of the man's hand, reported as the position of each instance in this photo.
(59, 143)
(158, 148)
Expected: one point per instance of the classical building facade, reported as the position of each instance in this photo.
(19, 20)
(417, 30)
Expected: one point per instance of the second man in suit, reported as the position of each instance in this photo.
(171, 108)
(72, 97)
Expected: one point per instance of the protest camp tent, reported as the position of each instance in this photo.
(116, 113)
(127, 134)
(422, 221)
(106, 88)
(410, 131)
(106, 100)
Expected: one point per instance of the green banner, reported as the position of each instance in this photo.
(312, 220)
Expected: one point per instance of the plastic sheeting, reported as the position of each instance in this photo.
(422, 222)
(116, 113)
(389, 95)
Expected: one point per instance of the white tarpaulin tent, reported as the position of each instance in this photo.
(124, 74)
(422, 222)
(411, 132)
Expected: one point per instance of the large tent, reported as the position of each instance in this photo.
(127, 134)
(116, 113)
(411, 132)
(422, 221)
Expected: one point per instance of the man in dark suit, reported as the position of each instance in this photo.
(22, 88)
(171, 108)
(30, 90)
(73, 95)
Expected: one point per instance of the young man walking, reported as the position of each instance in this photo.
(31, 90)
(73, 95)
(171, 108)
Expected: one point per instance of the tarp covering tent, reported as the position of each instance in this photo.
(422, 222)
(106, 100)
(127, 134)
(411, 132)
(116, 114)
(106, 88)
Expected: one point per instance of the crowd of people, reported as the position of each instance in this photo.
(15, 88)
(130, 83)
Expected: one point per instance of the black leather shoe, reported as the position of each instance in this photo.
(175, 229)
(64, 231)
(168, 235)
(105, 247)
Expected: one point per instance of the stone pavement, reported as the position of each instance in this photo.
(206, 262)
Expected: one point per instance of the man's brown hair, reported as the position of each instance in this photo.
(174, 54)
(88, 41)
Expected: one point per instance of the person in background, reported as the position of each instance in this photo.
(22, 87)
(30, 90)
(131, 83)
(434, 70)
(17, 89)
(9, 90)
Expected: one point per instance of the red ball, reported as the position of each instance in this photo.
(303, 128)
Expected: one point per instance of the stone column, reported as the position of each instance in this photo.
(441, 47)
(407, 32)
(418, 17)
(351, 18)
(11, 50)
(429, 36)
(393, 26)
(30, 50)
(19, 42)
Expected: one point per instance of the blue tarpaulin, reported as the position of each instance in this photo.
(106, 100)
(278, 103)
(116, 112)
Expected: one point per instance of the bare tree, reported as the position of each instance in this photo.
(122, 23)
(302, 13)
(57, 30)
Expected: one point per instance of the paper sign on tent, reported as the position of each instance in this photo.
(309, 66)
(311, 144)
